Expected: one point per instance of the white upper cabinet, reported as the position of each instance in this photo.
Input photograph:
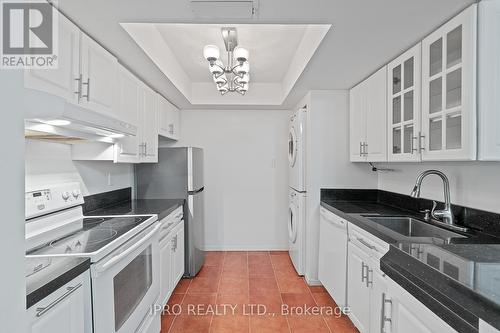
(357, 121)
(368, 103)
(99, 76)
(63, 81)
(168, 119)
(403, 106)
(489, 80)
(137, 104)
(449, 89)
(128, 149)
(149, 122)
(376, 115)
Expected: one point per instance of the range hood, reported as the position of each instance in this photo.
(51, 118)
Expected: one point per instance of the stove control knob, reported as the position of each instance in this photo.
(65, 195)
(76, 194)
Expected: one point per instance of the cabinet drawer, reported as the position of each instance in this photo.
(372, 245)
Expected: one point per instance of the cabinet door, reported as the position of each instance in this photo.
(130, 148)
(489, 81)
(358, 294)
(357, 123)
(376, 115)
(166, 285)
(99, 77)
(149, 122)
(169, 119)
(378, 288)
(178, 262)
(403, 117)
(408, 315)
(67, 310)
(449, 89)
(63, 81)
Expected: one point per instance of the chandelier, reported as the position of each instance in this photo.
(234, 76)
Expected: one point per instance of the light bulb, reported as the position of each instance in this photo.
(243, 68)
(221, 79)
(240, 54)
(216, 68)
(211, 52)
(244, 79)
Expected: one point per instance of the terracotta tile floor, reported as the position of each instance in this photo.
(231, 289)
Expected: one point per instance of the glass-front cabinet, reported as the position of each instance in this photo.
(448, 91)
(403, 118)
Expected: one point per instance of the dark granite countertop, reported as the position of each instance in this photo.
(161, 207)
(46, 275)
(458, 280)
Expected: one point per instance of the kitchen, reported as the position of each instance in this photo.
(253, 166)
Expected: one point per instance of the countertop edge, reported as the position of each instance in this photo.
(448, 315)
(52, 285)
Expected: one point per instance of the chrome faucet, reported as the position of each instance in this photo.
(445, 214)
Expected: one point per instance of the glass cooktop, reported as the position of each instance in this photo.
(96, 233)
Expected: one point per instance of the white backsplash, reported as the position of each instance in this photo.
(50, 162)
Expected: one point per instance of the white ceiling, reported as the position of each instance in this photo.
(278, 55)
(365, 35)
(271, 47)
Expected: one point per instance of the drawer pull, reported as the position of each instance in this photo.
(41, 311)
(365, 243)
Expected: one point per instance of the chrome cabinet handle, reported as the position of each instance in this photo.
(141, 147)
(87, 96)
(171, 128)
(78, 91)
(369, 277)
(41, 311)
(365, 149)
(386, 309)
(413, 149)
(360, 149)
(145, 149)
(363, 275)
(421, 142)
(368, 245)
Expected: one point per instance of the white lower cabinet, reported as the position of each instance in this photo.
(366, 286)
(171, 258)
(405, 314)
(66, 310)
(358, 294)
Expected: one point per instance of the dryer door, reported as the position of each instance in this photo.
(292, 223)
(292, 147)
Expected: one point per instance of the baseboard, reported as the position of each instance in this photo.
(312, 282)
(244, 248)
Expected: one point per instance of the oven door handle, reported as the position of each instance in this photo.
(131, 249)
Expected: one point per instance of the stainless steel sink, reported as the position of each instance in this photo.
(412, 228)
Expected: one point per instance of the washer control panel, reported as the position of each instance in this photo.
(52, 198)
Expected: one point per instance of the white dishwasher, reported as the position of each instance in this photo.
(333, 256)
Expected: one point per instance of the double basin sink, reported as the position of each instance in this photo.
(412, 228)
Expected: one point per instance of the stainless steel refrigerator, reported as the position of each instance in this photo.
(179, 175)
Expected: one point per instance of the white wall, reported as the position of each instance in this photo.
(12, 281)
(246, 175)
(49, 162)
(328, 163)
(472, 184)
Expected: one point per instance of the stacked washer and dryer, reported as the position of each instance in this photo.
(297, 189)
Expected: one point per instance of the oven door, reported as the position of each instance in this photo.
(126, 284)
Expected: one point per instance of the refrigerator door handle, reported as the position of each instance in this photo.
(196, 191)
